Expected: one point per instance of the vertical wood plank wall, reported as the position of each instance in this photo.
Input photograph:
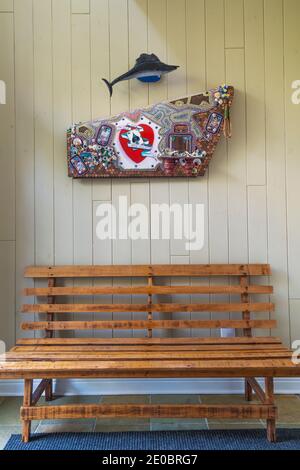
(53, 54)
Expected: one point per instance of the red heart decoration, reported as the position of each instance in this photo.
(136, 155)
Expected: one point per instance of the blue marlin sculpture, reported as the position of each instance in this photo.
(148, 68)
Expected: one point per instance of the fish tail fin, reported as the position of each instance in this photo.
(109, 86)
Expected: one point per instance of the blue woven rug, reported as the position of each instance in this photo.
(252, 439)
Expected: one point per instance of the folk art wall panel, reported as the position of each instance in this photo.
(56, 52)
(175, 138)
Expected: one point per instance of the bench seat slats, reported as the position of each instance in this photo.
(141, 325)
(148, 270)
(163, 308)
(167, 290)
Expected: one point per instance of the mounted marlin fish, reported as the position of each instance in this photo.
(148, 68)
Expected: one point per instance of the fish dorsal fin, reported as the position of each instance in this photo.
(147, 58)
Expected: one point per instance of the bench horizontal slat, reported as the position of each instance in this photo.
(151, 341)
(148, 270)
(150, 347)
(139, 355)
(168, 290)
(148, 411)
(115, 365)
(151, 368)
(140, 324)
(164, 307)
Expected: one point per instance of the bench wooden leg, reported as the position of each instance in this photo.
(271, 430)
(27, 402)
(248, 391)
(49, 391)
(271, 423)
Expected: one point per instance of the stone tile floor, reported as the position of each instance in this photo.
(288, 409)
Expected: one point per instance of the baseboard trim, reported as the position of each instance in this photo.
(149, 386)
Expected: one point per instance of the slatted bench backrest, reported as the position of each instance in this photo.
(239, 292)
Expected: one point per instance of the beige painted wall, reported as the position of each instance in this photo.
(53, 54)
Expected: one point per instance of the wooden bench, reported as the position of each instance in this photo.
(169, 344)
